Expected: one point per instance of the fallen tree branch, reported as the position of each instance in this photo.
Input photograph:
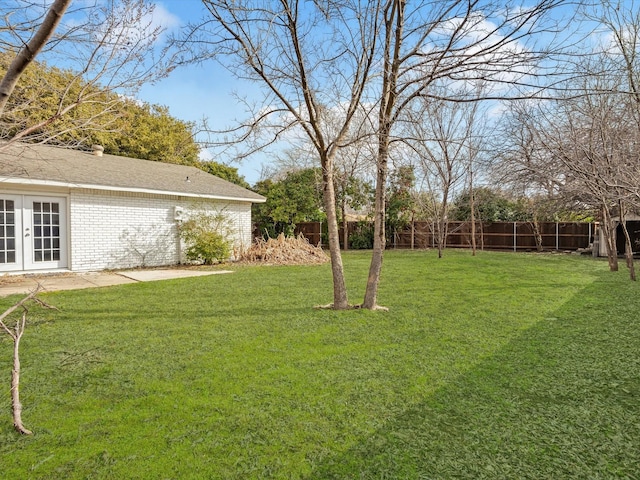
(16, 333)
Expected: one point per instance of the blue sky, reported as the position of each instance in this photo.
(199, 91)
(205, 91)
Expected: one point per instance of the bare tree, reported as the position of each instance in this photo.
(101, 46)
(595, 133)
(520, 161)
(442, 139)
(313, 60)
(623, 21)
(428, 42)
(476, 148)
(314, 57)
(521, 164)
(354, 166)
(619, 58)
(587, 136)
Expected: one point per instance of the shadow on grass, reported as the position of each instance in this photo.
(560, 401)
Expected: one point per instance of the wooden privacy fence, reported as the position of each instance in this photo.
(313, 232)
(515, 236)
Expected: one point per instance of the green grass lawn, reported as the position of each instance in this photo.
(496, 366)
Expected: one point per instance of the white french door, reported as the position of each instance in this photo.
(33, 234)
(10, 233)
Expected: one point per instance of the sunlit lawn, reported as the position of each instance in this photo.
(495, 366)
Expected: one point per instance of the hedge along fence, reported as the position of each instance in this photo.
(515, 236)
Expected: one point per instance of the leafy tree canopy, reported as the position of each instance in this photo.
(122, 126)
(294, 199)
(490, 205)
(353, 192)
(149, 132)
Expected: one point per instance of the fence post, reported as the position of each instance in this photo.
(515, 236)
(557, 237)
(413, 234)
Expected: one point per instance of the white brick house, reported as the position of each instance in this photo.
(64, 209)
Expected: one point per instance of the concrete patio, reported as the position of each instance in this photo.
(24, 284)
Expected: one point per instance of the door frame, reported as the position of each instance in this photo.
(18, 263)
(24, 236)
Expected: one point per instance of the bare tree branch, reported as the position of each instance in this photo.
(31, 49)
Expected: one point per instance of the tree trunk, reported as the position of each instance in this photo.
(609, 238)
(440, 237)
(535, 224)
(394, 22)
(345, 226)
(445, 232)
(443, 220)
(628, 252)
(379, 237)
(442, 223)
(472, 206)
(628, 247)
(340, 300)
(16, 334)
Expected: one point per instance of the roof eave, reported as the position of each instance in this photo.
(52, 183)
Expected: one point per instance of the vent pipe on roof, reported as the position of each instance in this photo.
(97, 150)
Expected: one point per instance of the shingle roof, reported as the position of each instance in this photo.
(48, 165)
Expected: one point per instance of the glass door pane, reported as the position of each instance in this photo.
(7, 231)
(46, 231)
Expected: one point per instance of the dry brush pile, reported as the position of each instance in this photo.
(284, 251)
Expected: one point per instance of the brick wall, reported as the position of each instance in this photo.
(110, 230)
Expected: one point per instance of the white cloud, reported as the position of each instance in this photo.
(161, 17)
(480, 50)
